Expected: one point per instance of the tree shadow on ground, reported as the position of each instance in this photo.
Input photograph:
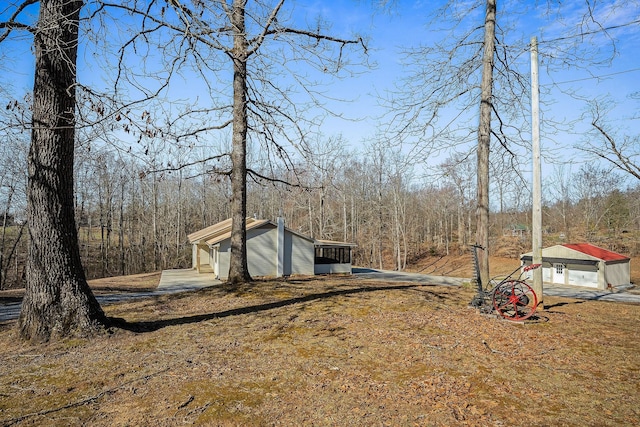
(10, 300)
(155, 325)
(563, 303)
(110, 290)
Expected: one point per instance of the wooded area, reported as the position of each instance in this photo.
(131, 220)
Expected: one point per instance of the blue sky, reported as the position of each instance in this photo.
(406, 26)
(403, 24)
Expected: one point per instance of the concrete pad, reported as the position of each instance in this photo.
(577, 292)
(619, 295)
(185, 280)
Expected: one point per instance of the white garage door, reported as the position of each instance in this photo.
(583, 278)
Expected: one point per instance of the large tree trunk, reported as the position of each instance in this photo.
(238, 270)
(484, 138)
(57, 301)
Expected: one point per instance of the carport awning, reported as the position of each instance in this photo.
(333, 244)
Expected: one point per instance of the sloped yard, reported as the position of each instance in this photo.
(331, 352)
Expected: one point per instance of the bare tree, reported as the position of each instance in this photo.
(57, 300)
(592, 185)
(458, 169)
(462, 70)
(478, 66)
(484, 139)
(255, 40)
(621, 151)
(559, 189)
(13, 182)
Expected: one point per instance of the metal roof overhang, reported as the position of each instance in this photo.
(561, 260)
(333, 244)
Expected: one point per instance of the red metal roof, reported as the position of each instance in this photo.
(595, 251)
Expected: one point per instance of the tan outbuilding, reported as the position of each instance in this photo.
(582, 264)
(273, 250)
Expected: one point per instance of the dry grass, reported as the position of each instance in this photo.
(134, 283)
(461, 265)
(339, 351)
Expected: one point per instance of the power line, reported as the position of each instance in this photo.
(602, 76)
(527, 48)
(588, 33)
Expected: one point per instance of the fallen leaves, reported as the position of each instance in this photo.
(368, 356)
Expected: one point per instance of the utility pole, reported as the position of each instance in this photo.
(536, 236)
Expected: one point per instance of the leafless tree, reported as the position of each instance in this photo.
(458, 170)
(471, 68)
(592, 185)
(559, 190)
(58, 300)
(13, 152)
(619, 149)
(484, 138)
(254, 42)
(477, 64)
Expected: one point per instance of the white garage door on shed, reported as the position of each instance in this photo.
(583, 278)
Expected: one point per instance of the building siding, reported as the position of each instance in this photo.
(299, 252)
(618, 274)
(332, 268)
(262, 252)
(224, 256)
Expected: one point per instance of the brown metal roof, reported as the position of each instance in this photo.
(226, 233)
(217, 232)
(212, 229)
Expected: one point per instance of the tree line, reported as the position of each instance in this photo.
(132, 220)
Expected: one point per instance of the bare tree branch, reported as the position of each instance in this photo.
(12, 24)
(614, 154)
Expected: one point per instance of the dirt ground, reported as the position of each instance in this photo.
(329, 352)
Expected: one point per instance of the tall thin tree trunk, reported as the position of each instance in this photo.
(484, 139)
(156, 243)
(310, 215)
(13, 254)
(380, 215)
(461, 234)
(179, 213)
(142, 251)
(344, 218)
(5, 218)
(321, 231)
(57, 299)
(103, 254)
(238, 269)
(203, 203)
(121, 227)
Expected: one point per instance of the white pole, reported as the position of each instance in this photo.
(537, 181)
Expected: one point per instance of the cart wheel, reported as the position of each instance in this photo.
(515, 300)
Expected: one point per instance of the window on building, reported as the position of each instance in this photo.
(559, 268)
(341, 255)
